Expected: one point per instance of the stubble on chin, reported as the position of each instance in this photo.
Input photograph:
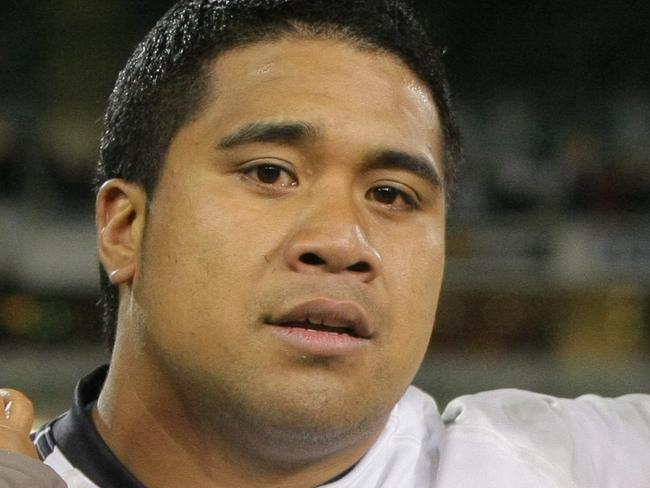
(280, 424)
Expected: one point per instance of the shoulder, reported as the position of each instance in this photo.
(519, 414)
(519, 408)
(576, 442)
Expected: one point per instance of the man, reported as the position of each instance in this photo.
(271, 217)
(271, 227)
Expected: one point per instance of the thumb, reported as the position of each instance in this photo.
(17, 410)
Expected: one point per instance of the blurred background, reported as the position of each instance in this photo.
(548, 283)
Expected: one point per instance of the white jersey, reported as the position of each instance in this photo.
(497, 439)
(513, 438)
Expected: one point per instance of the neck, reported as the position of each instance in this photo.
(141, 416)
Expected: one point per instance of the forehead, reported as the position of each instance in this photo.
(297, 55)
(279, 73)
(351, 94)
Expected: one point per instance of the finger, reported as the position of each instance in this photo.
(18, 409)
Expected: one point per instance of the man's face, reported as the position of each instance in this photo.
(306, 192)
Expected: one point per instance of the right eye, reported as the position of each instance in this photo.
(272, 175)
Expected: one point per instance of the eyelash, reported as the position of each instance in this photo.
(410, 201)
(249, 170)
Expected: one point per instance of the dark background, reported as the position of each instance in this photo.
(548, 282)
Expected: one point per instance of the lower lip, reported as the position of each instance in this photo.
(318, 342)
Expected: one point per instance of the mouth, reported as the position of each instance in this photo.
(323, 327)
(328, 316)
(307, 324)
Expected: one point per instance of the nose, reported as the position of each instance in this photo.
(332, 241)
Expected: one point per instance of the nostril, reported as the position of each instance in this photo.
(311, 259)
(360, 267)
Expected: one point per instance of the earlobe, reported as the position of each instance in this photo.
(120, 219)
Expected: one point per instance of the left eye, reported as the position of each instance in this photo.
(271, 175)
(388, 195)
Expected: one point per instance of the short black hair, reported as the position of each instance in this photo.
(165, 81)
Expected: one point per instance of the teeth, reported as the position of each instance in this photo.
(322, 323)
(317, 322)
(331, 328)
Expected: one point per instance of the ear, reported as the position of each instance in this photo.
(120, 219)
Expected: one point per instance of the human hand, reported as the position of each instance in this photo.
(16, 418)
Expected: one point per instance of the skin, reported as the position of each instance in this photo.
(16, 418)
(196, 374)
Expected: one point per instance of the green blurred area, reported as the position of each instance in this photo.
(47, 319)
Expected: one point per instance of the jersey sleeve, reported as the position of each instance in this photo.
(518, 438)
(18, 471)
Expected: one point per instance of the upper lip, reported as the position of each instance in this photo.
(332, 313)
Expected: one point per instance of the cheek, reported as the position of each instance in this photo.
(234, 235)
(430, 259)
(417, 262)
(191, 284)
(414, 285)
(214, 248)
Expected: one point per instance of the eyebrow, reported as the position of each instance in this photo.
(293, 132)
(400, 160)
(274, 132)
